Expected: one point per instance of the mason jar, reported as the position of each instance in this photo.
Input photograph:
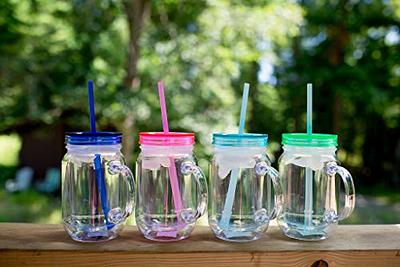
(311, 176)
(245, 192)
(97, 186)
(171, 188)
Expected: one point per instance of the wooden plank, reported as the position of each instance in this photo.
(201, 259)
(349, 245)
(344, 237)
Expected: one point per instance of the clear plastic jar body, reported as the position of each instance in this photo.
(245, 193)
(171, 192)
(311, 178)
(96, 198)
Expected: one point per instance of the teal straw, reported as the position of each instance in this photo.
(246, 88)
(227, 212)
(308, 205)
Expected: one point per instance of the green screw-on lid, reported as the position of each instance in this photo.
(309, 140)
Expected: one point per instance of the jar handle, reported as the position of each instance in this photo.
(263, 168)
(350, 198)
(117, 215)
(273, 173)
(189, 167)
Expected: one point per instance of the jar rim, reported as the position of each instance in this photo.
(240, 140)
(90, 138)
(166, 139)
(310, 140)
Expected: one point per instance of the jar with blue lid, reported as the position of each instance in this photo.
(97, 186)
(244, 190)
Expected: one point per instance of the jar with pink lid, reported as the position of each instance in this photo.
(171, 188)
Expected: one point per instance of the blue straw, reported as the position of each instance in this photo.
(230, 196)
(101, 186)
(91, 107)
(100, 181)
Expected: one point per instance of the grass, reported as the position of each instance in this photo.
(389, 193)
(379, 204)
(10, 144)
(370, 210)
(29, 206)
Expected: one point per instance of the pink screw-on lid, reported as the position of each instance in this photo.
(166, 139)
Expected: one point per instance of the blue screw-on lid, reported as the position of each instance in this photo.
(240, 140)
(89, 138)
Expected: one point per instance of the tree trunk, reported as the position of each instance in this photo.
(137, 11)
(35, 140)
(128, 140)
(336, 56)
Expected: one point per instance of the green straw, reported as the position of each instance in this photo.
(309, 108)
(308, 205)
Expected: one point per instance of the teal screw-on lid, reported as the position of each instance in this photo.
(309, 140)
(240, 140)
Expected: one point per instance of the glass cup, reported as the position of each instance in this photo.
(97, 186)
(171, 188)
(311, 176)
(245, 192)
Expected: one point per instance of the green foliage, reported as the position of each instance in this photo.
(204, 51)
(350, 51)
(10, 29)
(56, 52)
(203, 66)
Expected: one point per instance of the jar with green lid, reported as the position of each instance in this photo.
(312, 180)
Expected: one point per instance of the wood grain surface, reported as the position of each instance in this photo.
(348, 245)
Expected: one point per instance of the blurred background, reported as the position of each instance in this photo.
(203, 50)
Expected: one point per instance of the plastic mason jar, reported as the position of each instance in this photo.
(97, 186)
(311, 177)
(171, 188)
(245, 192)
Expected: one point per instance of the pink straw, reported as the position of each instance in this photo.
(163, 106)
(173, 177)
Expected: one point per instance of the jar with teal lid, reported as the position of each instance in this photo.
(312, 180)
(244, 190)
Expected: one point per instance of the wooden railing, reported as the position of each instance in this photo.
(348, 245)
